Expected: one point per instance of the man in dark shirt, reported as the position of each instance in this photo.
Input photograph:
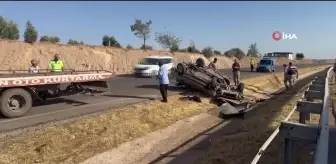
(236, 72)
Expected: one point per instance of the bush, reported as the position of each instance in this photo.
(147, 47)
(50, 39)
(208, 52)
(129, 46)
(183, 50)
(217, 52)
(106, 40)
(299, 56)
(30, 35)
(75, 42)
(235, 52)
(114, 42)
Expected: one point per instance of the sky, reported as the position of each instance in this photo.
(221, 25)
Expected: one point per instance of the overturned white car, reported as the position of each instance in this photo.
(211, 82)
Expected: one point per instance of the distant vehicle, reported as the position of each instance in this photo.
(148, 66)
(266, 65)
(288, 55)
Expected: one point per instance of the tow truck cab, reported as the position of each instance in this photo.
(266, 65)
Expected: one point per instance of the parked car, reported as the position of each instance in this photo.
(148, 66)
(266, 65)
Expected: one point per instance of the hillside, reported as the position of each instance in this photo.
(16, 55)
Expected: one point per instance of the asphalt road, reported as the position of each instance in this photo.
(124, 90)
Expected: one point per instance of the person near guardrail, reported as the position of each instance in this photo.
(236, 72)
(34, 68)
(56, 65)
(291, 73)
(164, 81)
(212, 64)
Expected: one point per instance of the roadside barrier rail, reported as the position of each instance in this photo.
(315, 101)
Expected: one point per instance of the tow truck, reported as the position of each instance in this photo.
(19, 89)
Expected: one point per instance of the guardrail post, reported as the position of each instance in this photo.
(288, 148)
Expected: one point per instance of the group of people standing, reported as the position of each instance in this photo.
(55, 65)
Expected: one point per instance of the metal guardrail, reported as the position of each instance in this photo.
(301, 132)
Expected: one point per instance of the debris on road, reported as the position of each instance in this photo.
(192, 98)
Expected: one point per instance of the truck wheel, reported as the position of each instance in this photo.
(180, 69)
(15, 102)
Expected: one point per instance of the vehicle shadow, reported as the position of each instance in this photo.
(58, 101)
(170, 88)
(129, 96)
(213, 146)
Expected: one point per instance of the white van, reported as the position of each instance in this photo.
(149, 67)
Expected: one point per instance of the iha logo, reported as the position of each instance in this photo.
(277, 35)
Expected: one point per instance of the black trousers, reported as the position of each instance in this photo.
(163, 91)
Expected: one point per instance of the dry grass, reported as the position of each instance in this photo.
(72, 143)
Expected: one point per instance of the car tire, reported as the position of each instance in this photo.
(23, 98)
(180, 69)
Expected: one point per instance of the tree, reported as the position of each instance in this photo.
(114, 42)
(106, 40)
(8, 29)
(55, 39)
(45, 38)
(235, 52)
(142, 30)
(253, 50)
(30, 35)
(192, 47)
(75, 42)
(167, 40)
(129, 46)
(50, 39)
(208, 52)
(299, 56)
(216, 52)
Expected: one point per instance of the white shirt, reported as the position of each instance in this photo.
(34, 69)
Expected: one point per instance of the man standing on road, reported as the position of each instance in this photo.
(252, 62)
(212, 64)
(164, 81)
(56, 65)
(236, 72)
(291, 74)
